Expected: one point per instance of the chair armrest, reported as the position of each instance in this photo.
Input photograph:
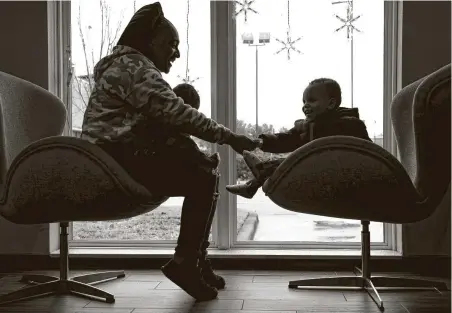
(432, 123)
(69, 179)
(329, 144)
(344, 177)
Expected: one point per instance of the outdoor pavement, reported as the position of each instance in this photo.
(277, 224)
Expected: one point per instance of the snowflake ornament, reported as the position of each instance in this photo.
(187, 79)
(348, 22)
(245, 7)
(288, 45)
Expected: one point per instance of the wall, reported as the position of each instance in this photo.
(24, 53)
(426, 46)
(426, 38)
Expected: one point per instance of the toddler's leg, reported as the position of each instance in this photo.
(261, 169)
(252, 161)
(247, 190)
(267, 168)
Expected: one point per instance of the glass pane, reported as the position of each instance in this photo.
(270, 89)
(88, 22)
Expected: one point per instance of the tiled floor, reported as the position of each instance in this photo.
(246, 292)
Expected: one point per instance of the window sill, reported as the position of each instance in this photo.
(109, 252)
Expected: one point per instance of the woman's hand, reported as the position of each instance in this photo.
(240, 143)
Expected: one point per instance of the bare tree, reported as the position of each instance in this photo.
(108, 32)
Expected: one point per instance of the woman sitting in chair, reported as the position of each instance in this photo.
(130, 92)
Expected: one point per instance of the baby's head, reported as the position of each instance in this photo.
(321, 95)
(189, 94)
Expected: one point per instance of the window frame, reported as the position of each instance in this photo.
(223, 61)
(391, 76)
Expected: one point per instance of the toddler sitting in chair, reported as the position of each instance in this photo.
(324, 117)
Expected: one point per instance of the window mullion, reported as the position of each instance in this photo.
(392, 62)
(64, 22)
(223, 111)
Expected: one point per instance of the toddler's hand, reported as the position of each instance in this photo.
(259, 143)
(240, 143)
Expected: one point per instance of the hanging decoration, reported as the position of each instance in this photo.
(245, 7)
(187, 79)
(348, 23)
(288, 43)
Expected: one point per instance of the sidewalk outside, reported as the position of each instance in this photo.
(278, 224)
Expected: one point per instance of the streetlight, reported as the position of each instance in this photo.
(264, 38)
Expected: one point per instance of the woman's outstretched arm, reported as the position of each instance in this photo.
(153, 96)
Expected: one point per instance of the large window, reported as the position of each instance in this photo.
(264, 94)
(96, 27)
(270, 83)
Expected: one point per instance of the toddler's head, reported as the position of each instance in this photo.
(189, 94)
(322, 95)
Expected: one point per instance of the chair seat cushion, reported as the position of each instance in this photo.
(69, 179)
(345, 177)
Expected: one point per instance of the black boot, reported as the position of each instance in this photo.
(187, 275)
(209, 276)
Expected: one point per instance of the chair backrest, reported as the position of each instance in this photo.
(27, 113)
(421, 117)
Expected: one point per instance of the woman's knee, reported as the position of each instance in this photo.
(205, 182)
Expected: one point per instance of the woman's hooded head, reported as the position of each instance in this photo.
(153, 35)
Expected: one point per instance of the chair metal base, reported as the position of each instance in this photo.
(371, 285)
(364, 279)
(393, 283)
(44, 285)
(52, 285)
(340, 282)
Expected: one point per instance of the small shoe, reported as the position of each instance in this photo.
(209, 276)
(188, 277)
(247, 190)
(252, 161)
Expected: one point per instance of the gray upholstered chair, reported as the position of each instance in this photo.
(350, 178)
(48, 178)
